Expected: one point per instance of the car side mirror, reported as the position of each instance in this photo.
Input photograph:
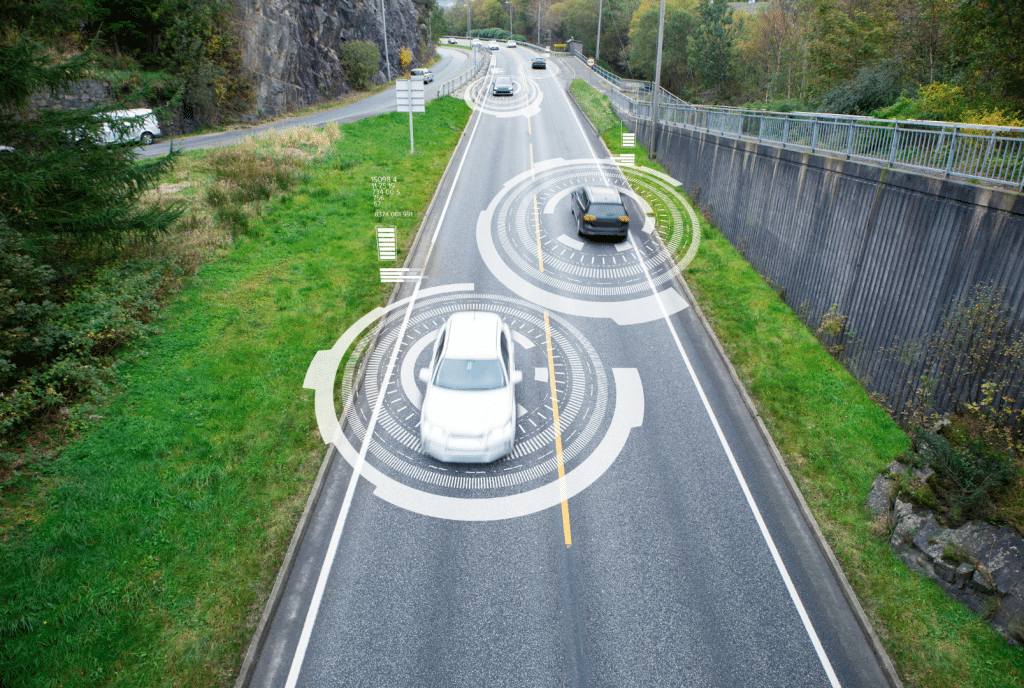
(517, 377)
(425, 375)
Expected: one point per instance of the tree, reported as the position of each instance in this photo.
(58, 185)
(676, 74)
(711, 49)
(988, 38)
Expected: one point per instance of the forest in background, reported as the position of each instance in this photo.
(957, 60)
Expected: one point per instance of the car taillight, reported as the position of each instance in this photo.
(624, 219)
(589, 218)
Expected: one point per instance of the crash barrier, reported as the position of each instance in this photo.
(482, 58)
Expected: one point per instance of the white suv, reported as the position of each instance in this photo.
(133, 125)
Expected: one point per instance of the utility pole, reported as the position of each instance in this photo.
(657, 84)
(468, 25)
(597, 50)
(387, 58)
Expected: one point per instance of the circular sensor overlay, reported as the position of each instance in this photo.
(597, 408)
(528, 237)
(524, 101)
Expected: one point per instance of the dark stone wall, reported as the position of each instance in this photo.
(892, 250)
(291, 45)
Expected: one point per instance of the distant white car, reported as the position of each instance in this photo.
(511, 44)
(131, 125)
(469, 407)
(427, 75)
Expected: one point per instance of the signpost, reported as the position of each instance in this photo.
(409, 94)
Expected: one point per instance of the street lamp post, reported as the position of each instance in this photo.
(597, 50)
(387, 58)
(509, 18)
(657, 83)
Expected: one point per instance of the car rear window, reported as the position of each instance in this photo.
(606, 210)
(468, 374)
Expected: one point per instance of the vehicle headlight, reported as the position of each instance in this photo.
(589, 218)
(430, 432)
(500, 435)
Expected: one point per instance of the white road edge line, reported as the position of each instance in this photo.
(794, 595)
(325, 570)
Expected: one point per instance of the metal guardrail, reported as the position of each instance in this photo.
(452, 85)
(971, 152)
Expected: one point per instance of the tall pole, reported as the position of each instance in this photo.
(597, 51)
(510, 19)
(387, 58)
(657, 84)
(468, 25)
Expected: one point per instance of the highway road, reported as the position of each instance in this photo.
(451, 63)
(646, 539)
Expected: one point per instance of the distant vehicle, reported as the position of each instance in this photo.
(511, 44)
(502, 86)
(427, 75)
(540, 63)
(469, 406)
(452, 41)
(492, 46)
(131, 125)
(599, 211)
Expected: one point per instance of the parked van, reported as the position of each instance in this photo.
(133, 125)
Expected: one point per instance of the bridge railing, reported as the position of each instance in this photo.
(972, 152)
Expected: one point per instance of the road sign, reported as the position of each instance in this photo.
(409, 91)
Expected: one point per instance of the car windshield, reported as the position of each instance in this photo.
(468, 374)
(606, 210)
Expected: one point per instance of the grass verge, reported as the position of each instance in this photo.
(145, 553)
(835, 440)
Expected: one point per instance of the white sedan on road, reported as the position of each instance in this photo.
(469, 407)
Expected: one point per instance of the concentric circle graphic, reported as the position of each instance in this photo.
(528, 238)
(525, 101)
(597, 409)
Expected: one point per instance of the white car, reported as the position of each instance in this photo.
(511, 44)
(469, 407)
(427, 75)
(133, 125)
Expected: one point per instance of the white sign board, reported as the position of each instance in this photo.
(410, 91)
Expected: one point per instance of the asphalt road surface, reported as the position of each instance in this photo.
(452, 62)
(647, 539)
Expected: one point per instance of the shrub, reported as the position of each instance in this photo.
(969, 473)
(873, 87)
(360, 60)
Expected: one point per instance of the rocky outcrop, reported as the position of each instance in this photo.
(979, 564)
(291, 46)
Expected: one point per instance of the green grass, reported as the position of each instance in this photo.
(835, 440)
(146, 553)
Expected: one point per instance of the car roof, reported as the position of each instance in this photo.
(473, 335)
(502, 79)
(603, 194)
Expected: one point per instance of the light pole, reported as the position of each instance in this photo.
(387, 58)
(468, 25)
(509, 18)
(597, 50)
(657, 82)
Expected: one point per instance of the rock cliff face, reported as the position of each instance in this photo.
(291, 45)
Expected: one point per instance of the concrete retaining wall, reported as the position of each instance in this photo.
(893, 251)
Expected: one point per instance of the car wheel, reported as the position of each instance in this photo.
(146, 138)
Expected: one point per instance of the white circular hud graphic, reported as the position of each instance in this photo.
(524, 101)
(528, 238)
(597, 409)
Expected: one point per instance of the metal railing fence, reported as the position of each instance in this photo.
(971, 152)
(452, 85)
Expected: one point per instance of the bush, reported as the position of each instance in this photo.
(360, 60)
(874, 87)
(969, 473)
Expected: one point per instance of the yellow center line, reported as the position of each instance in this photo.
(562, 490)
(540, 251)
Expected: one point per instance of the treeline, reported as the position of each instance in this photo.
(964, 57)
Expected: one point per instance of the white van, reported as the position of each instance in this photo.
(139, 125)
